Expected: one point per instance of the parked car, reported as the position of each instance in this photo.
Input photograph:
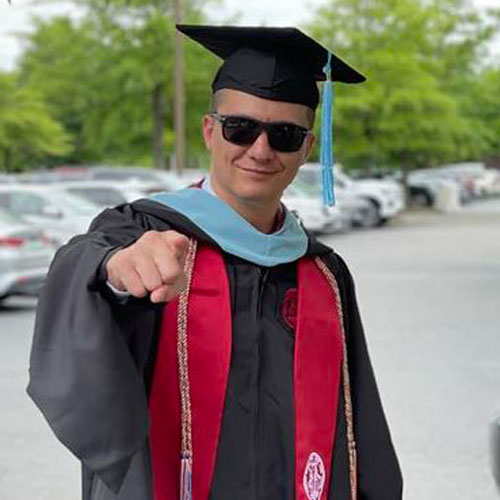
(386, 197)
(422, 193)
(358, 211)
(426, 188)
(49, 176)
(164, 180)
(6, 179)
(25, 255)
(484, 180)
(106, 193)
(49, 208)
(158, 180)
(314, 216)
(435, 176)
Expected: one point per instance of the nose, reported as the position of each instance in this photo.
(260, 150)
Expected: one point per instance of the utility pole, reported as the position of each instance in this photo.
(179, 104)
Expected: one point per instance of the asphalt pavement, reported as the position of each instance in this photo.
(429, 292)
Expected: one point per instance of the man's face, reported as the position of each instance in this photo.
(255, 173)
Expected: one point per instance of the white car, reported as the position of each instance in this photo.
(155, 179)
(427, 189)
(164, 180)
(106, 193)
(385, 196)
(462, 180)
(25, 255)
(357, 211)
(314, 216)
(484, 180)
(49, 208)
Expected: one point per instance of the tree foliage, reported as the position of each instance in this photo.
(419, 56)
(104, 85)
(28, 132)
(106, 77)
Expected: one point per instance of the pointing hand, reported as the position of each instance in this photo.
(153, 265)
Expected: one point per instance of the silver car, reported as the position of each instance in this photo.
(25, 255)
(50, 209)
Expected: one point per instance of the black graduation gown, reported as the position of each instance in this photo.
(92, 362)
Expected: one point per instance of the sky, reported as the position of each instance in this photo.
(15, 17)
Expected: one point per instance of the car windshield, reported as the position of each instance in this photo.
(75, 205)
(9, 218)
(99, 196)
(121, 175)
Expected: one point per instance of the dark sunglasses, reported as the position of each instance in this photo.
(282, 136)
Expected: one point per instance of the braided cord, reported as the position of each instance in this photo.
(182, 356)
(351, 443)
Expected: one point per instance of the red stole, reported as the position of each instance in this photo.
(317, 373)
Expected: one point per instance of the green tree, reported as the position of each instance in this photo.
(61, 62)
(480, 100)
(140, 36)
(414, 54)
(28, 132)
(109, 80)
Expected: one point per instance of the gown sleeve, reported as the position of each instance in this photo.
(83, 375)
(379, 473)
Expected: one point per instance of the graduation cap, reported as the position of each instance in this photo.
(281, 64)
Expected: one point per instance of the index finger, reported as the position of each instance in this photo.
(179, 243)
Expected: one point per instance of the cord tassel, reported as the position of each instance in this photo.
(326, 148)
(186, 478)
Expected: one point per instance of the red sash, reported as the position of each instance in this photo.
(317, 370)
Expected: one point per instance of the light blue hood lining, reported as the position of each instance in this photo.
(233, 233)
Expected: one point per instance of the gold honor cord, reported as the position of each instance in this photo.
(182, 355)
(351, 443)
(186, 483)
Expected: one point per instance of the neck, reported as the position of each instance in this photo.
(261, 215)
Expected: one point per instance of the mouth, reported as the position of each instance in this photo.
(258, 171)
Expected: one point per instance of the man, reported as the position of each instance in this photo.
(254, 383)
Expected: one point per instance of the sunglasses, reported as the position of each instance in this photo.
(282, 136)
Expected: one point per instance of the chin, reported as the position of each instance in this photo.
(257, 193)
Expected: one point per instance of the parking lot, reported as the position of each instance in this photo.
(429, 291)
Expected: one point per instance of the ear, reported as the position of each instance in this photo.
(310, 141)
(207, 128)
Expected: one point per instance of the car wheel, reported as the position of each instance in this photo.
(422, 199)
(371, 215)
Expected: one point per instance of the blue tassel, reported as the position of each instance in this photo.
(326, 148)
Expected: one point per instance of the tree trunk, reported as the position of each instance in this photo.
(7, 158)
(158, 111)
(179, 104)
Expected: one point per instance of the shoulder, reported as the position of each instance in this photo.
(340, 270)
(335, 262)
(121, 214)
(143, 214)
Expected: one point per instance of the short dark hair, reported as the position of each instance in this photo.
(218, 96)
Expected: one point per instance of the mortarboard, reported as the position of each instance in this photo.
(281, 64)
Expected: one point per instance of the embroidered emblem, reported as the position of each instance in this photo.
(289, 308)
(314, 477)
